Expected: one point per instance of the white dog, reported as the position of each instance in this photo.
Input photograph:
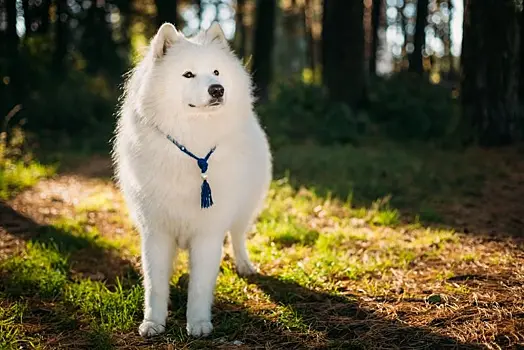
(193, 163)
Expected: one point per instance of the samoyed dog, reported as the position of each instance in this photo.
(193, 163)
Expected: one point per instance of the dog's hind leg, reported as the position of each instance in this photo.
(238, 233)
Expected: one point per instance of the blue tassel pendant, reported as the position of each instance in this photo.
(205, 194)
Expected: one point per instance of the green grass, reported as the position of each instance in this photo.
(18, 171)
(341, 265)
(44, 273)
(18, 175)
(305, 259)
(97, 202)
(409, 180)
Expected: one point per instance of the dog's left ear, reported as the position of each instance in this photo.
(215, 34)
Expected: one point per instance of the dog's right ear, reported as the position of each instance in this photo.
(166, 37)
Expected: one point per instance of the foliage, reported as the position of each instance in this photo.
(75, 104)
(299, 112)
(403, 107)
(407, 106)
(76, 101)
(18, 170)
(400, 176)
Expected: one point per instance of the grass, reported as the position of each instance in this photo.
(354, 248)
(18, 171)
(397, 174)
(16, 176)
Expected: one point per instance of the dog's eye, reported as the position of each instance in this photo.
(188, 75)
(216, 72)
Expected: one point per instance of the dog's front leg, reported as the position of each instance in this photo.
(205, 254)
(158, 250)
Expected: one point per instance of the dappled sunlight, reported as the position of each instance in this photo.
(476, 191)
(18, 171)
(327, 267)
(386, 225)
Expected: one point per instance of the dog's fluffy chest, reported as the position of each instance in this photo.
(176, 177)
(168, 181)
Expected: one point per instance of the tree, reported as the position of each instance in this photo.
(310, 40)
(447, 42)
(166, 11)
(343, 50)
(98, 45)
(521, 87)
(61, 35)
(415, 59)
(240, 31)
(490, 67)
(36, 16)
(44, 15)
(11, 46)
(290, 49)
(12, 38)
(28, 18)
(375, 24)
(263, 46)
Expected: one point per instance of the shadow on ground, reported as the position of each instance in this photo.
(332, 322)
(347, 324)
(473, 191)
(48, 316)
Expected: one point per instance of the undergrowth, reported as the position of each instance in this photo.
(18, 169)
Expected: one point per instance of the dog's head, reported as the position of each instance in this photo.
(198, 76)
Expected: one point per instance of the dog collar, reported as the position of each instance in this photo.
(206, 200)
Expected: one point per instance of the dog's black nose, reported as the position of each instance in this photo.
(216, 90)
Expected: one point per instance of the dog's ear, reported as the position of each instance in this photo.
(215, 34)
(166, 37)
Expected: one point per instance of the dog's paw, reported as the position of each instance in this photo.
(150, 328)
(245, 269)
(199, 328)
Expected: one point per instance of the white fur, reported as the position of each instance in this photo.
(161, 185)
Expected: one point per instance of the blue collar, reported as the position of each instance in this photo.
(205, 194)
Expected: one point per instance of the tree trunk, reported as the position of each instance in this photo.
(166, 11)
(343, 51)
(375, 25)
(263, 48)
(126, 10)
(521, 81)
(308, 25)
(98, 47)
(13, 61)
(10, 32)
(416, 58)
(490, 66)
(36, 16)
(240, 32)
(289, 50)
(449, 55)
(404, 59)
(61, 35)
(44, 16)
(28, 18)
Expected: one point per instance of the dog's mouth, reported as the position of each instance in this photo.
(214, 102)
